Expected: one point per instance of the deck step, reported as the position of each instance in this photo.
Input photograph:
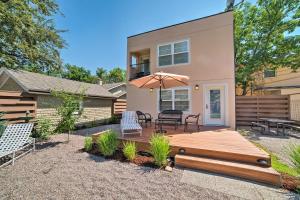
(251, 172)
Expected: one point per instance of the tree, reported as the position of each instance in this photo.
(69, 110)
(116, 75)
(102, 74)
(28, 37)
(264, 38)
(76, 73)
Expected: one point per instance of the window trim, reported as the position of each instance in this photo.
(172, 53)
(275, 73)
(173, 98)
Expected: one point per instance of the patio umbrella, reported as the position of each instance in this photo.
(161, 80)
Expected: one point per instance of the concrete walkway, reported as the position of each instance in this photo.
(235, 186)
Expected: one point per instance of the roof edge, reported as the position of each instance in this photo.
(5, 70)
(165, 27)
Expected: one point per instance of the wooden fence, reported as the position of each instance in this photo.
(15, 107)
(119, 106)
(251, 108)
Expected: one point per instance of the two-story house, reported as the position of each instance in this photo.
(202, 49)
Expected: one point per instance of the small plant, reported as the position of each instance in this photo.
(69, 110)
(160, 149)
(2, 124)
(113, 119)
(88, 143)
(108, 143)
(129, 150)
(295, 157)
(44, 129)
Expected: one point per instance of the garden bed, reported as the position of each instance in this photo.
(142, 158)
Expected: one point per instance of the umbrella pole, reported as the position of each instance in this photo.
(160, 102)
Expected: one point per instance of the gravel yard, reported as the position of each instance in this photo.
(61, 171)
(278, 145)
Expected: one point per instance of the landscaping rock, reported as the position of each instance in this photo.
(168, 169)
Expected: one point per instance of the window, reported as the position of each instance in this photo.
(268, 73)
(178, 99)
(173, 54)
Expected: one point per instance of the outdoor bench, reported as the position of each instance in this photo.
(262, 127)
(171, 114)
(291, 126)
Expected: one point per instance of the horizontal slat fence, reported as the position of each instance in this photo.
(251, 108)
(14, 106)
(119, 106)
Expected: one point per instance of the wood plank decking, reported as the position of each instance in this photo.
(215, 149)
(217, 142)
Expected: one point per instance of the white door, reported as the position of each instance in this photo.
(214, 106)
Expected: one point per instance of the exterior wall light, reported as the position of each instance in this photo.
(151, 89)
(196, 87)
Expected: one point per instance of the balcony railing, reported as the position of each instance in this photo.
(139, 70)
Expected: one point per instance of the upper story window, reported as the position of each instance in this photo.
(268, 73)
(173, 53)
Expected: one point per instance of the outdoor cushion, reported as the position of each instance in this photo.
(129, 123)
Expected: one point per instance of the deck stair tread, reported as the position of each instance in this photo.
(247, 171)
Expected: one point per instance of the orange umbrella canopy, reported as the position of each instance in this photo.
(161, 79)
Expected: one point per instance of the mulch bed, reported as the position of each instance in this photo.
(290, 182)
(142, 158)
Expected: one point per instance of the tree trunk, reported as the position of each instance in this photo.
(244, 88)
(69, 135)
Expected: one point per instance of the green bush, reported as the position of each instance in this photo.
(108, 143)
(295, 157)
(88, 143)
(113, 119)
(2, 124)
(129, 150)
(44, 129)
(160, 149)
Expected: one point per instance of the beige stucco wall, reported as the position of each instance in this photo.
(94, 110)
(211, 61)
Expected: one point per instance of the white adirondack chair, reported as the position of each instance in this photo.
(16, 138)
(130, 124)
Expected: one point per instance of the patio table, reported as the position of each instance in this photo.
(276, 121)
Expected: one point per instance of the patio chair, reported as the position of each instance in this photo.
(192, 120)
(144, 117)
(16, 138)
(130, 124)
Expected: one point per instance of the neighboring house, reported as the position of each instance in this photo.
(97, 103)
(117, 89)
(201, 49)
(282, 81)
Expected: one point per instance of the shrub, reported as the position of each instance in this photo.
(44, 129)
(113, 119)
(295, 157)
(88, 143)
(2, 124)
(160, 149)
(108, 143)
(129, 150)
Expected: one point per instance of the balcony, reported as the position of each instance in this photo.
(139, 70)
(139, 64)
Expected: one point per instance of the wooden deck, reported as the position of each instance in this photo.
(214, 149)
(214, 142)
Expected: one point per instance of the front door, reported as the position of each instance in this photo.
(214, 105)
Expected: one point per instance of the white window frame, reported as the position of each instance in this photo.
(173, 98)
(172, 53)
(275, 73)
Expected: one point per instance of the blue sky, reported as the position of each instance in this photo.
(98, 29)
